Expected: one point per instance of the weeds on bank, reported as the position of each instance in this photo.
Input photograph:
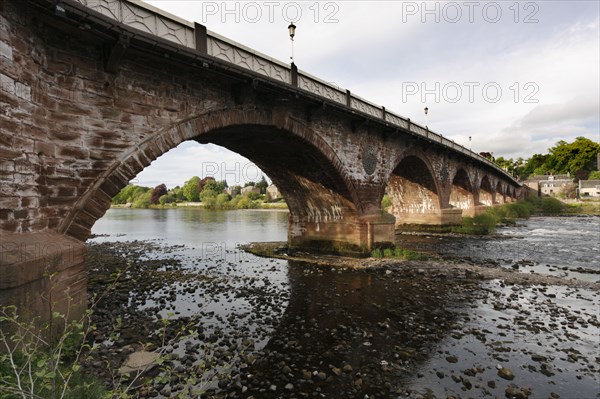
(34, 366)
(397, 253)
(43, 360)
(487, 222)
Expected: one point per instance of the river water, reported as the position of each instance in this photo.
(313, 331)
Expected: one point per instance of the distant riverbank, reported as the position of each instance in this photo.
(200, 205)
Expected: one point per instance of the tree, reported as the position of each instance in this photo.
(595, 175)
(129, 194)
(191, 189)
(534, 165)
(216, 187)
(158, 192)
(142, 200)
(203, 182)
(262, 185)
(573, 157)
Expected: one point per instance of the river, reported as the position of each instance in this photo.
(290, 329)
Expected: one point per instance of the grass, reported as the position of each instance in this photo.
(487, 222)
(397, 253)
(583, 208)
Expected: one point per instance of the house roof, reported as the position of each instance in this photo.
(540, 178)
(589, 183)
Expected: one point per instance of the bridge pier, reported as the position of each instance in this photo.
(435, 217)
(475, 210)
(43, 273)
(354, 236)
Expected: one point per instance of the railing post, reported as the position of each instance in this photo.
(294, 75)
(383, 112)
(348, 99)
(201, 38)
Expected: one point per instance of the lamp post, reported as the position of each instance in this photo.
(469, 142)
(292, 31)
(426, 122)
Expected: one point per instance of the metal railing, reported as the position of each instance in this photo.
(149, 19)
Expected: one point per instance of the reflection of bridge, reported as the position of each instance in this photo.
(93, 91)
(359, 318)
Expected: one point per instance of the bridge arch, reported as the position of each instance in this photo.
(304, 167)
(500, 197)
(486, 194)
(413, 190)
(461, 191)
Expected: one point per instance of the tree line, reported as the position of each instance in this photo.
(210, 192)
(579, 159)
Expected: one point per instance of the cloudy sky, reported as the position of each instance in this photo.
(515, 76)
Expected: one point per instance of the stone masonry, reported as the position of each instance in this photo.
(74, 132)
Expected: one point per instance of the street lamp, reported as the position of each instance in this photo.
(469, 142)
(426, 112)
(292, 31)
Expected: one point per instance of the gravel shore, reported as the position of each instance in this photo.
(243, 326)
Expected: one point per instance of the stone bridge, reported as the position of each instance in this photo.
(92, 91)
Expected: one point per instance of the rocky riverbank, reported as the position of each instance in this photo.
(236, 325)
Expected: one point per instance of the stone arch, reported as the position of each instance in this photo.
(318, 190)
(500, 197)
(413, 190)
(486, 195)
(461, 191)
(513, 194)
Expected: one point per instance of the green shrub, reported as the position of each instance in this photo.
(386, 202)
(551, 206)
(397, 253)
(142, 200)
(377, 253)
(480, 224)
(522, 209)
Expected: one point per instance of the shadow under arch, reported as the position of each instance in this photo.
(413, 191)
(332, 313)
(309, 174)
(486, 195)
(461, 191)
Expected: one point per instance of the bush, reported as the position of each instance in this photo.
(397, 253)
(386, 202)
(245, 202)
(142, 201)
(222, 201)
(521, 209)
(551, 206)
(481, 224)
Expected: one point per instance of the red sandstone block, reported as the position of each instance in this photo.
(73, 152)
(65, 133)
(9, 226)
(115, 144)
(5, 214)
(84, 219)
(30, 202)
(9, 202)
(68, 201)
(11, 126)
(44, 148)
(65, 191)
(109, 188)
(79, 232)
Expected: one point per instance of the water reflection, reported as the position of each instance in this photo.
(194, 226)
(351, 333)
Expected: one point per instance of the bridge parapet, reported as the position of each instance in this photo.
(149, 19)
(146, 18)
